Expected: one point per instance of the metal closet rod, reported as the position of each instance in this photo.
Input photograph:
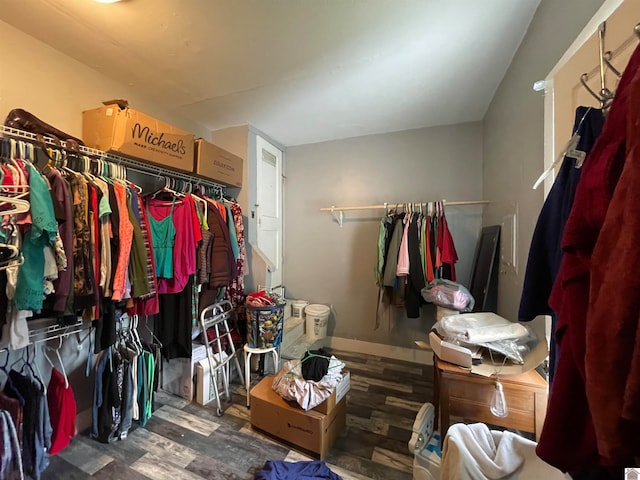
(137, 165)
(389, 205)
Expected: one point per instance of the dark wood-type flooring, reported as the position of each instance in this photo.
(185, 441)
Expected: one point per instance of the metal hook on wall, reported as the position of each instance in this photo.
(607, 59)
(636, 30)
(604, 96)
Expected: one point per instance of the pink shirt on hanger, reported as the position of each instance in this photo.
(188, 234)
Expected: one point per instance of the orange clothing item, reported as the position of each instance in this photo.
(126, 237)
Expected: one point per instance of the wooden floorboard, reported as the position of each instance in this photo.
(185, 441)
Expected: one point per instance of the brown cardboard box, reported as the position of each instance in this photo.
(217, 164)
(312, 431)
(336, 396)
(117, 128)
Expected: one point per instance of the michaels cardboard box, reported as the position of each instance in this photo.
(217, 164)
(312, 431)
(117, 128)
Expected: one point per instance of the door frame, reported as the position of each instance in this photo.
(252, 160)
(603, 13)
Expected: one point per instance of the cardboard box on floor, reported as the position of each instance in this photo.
(217, 164)
(336, 396)
(312, 430)
(115, 127)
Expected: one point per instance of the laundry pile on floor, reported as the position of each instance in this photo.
(280, 470)
(310, 380)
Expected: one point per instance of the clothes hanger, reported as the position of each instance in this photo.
(64, 373)
(153, 335)
(569, 148)
(5, 368)
(37, 374)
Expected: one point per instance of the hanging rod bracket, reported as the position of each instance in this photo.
(337, 215)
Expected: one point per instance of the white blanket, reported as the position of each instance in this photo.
(473, 452)
(481, 327)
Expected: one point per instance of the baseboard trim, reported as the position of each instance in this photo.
(416, 355)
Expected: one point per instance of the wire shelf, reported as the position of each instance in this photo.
(128, 162)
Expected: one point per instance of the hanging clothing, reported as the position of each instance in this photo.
(384, 233)
(10, 455)
(449, 254)
(222, 261)
(62, 411)
(174, 322)
(36, 423)
(62, 286)
(43, 232)
(163, 233)
(83, 269)
(415, 279)
(569, 420)
(138, 256)
(612, 361)
(391, 262)
(545, 253)
(187, 236)
(125, 232)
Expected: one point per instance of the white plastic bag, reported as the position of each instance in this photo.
(448, 294)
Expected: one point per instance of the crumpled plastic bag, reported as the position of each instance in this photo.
(448, 294)
(290, 384)
(486, 329)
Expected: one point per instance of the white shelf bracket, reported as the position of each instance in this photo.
(339, 215)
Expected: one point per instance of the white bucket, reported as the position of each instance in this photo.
(317, 319)
(297, 308)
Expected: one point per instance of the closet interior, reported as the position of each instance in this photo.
(338, 240)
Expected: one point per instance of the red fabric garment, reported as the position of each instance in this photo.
(449, 254)
(568, 440)
(62, 412)
(427, 256)
(612, 334)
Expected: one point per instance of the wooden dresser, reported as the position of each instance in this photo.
(461, 393)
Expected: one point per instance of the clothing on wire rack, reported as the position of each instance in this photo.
(88, 239)
(62, 412)
(125, 382)
(36, 434)
(10, 455)
(413, 249)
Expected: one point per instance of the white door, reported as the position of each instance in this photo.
(269, 209)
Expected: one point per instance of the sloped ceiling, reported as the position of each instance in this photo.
(302, 71)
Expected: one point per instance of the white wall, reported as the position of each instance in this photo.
(328, 264)
(57, 88)
(237, 141)
(513, 130)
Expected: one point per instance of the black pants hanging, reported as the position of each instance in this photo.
(174, 322)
